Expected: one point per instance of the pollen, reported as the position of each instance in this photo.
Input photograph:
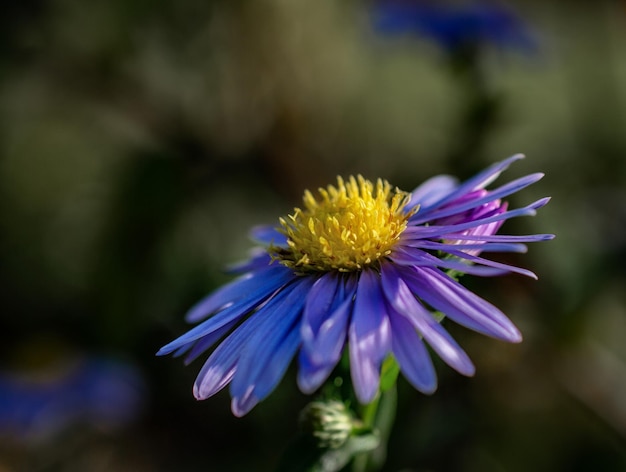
(346, 228)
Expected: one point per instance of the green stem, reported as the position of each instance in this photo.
(379, 416)
(369, 412)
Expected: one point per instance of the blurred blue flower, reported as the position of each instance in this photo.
(453, 27)
(96, 392)
(361, 265)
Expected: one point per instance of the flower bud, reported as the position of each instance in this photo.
(329, 422)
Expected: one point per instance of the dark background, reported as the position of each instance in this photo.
(139, 140)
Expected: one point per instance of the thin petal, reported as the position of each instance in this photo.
(271, 374)
(501, 192)
(249, 285)
(311, 376)
(196, 348)
(220, 367)
(259, 259)
(230, 314)
(205, 343)
(321, 353)
(319, 302)
(326, 344)
(459, 303)
(274, 370)
(482, 247)
(432, 191)
(497, 265)
(504, 238)
(480, 180)
(411, 354)
(369, 336)
(267, 338)
(440, 232)
(268, 235)
(404, 303)
(417, 257)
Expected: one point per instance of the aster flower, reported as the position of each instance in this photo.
(361, 267)
(98, 392)
(453, 27)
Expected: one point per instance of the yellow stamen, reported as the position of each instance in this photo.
(351, 227)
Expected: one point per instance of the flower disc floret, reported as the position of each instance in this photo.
(349, 227)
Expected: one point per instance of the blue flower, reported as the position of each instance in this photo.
(98, 392)
(453, 27)
(362, 266)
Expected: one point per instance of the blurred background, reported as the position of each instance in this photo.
(140, 140)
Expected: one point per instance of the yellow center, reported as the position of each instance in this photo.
(350, 227)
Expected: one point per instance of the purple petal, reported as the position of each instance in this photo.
(220, 367)
(321, 353)
(411, 354)
(246, 286)
(311, 376)
(269, 377)
(501, 192)
(319, 302)
(369, 336)
(324, 346)
(431, 191)
(440, 232)
(504, 238)
(259, 259)
(404, 303)
(497, 265)
(459, 304)
(216, 373)
(480, 180)
(230, 314)
(264, 344)
(210, 326)
(482, 247)
(196, 348)
(416, 257)
(268, 235)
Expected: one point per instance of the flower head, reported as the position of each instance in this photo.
(362, 266)
(350, 228)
